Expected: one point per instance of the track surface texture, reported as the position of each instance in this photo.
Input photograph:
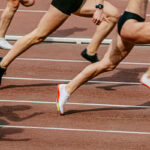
(111, 112)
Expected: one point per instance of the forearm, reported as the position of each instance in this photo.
(99, 2)
(98, 15)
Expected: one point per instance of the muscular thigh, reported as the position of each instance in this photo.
(51, 21)
(88, 8)
(118, 49)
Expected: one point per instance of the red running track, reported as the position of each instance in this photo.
(28, 122)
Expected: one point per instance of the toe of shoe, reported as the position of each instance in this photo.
(60, 109)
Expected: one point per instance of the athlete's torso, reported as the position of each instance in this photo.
(137, 6)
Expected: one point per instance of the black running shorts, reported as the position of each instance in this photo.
(67, 6)
(126, 16)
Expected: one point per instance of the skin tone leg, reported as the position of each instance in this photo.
(104, 28)
(9, 12)
(12, 6)
(49, 23)
(139, 33)
(148, 72)
(117, 51)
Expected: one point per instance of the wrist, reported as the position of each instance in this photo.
(99, 6)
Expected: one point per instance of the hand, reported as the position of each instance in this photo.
(99, 16)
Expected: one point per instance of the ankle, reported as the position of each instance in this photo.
(148, 75)
(90, 52)
(67, 89)
(1, 66)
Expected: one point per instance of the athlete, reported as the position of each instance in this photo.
(104, 16)
(7, 16)
(139, 33)
(131, 30)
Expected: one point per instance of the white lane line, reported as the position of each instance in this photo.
(52, 60)
(76, 61)
(80, 104)
(29, 11)
(134, 63)
(77, 130)
(66, 40)
(61, 39)
(62, 80)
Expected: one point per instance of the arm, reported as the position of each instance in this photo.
(99, 16)
(99, 2)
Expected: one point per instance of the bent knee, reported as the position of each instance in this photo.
(13, 4)
(105, 66)
(113, 15)
(38, 36)
(129, 34)
(108, 65)
(27, 3)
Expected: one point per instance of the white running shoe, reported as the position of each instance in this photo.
(62, 98)
(145, 80)
(4, 44)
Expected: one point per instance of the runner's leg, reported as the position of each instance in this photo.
(117, 51)
(104, 28)
(49, 23)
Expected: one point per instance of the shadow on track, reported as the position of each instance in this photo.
(4, 132)
(29, 85)
(67, 32)
(9, 112)
(107, 109)
(122, 75)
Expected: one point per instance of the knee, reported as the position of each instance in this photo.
(105, 67)
(38, 36)
(37, 39)
(109, 66)
(114, 15)
(13, 5)
(27, 3)
(129, 34)
(100, 67)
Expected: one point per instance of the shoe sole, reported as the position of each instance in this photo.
(145, 84)
(57, 101)
(4, 48)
